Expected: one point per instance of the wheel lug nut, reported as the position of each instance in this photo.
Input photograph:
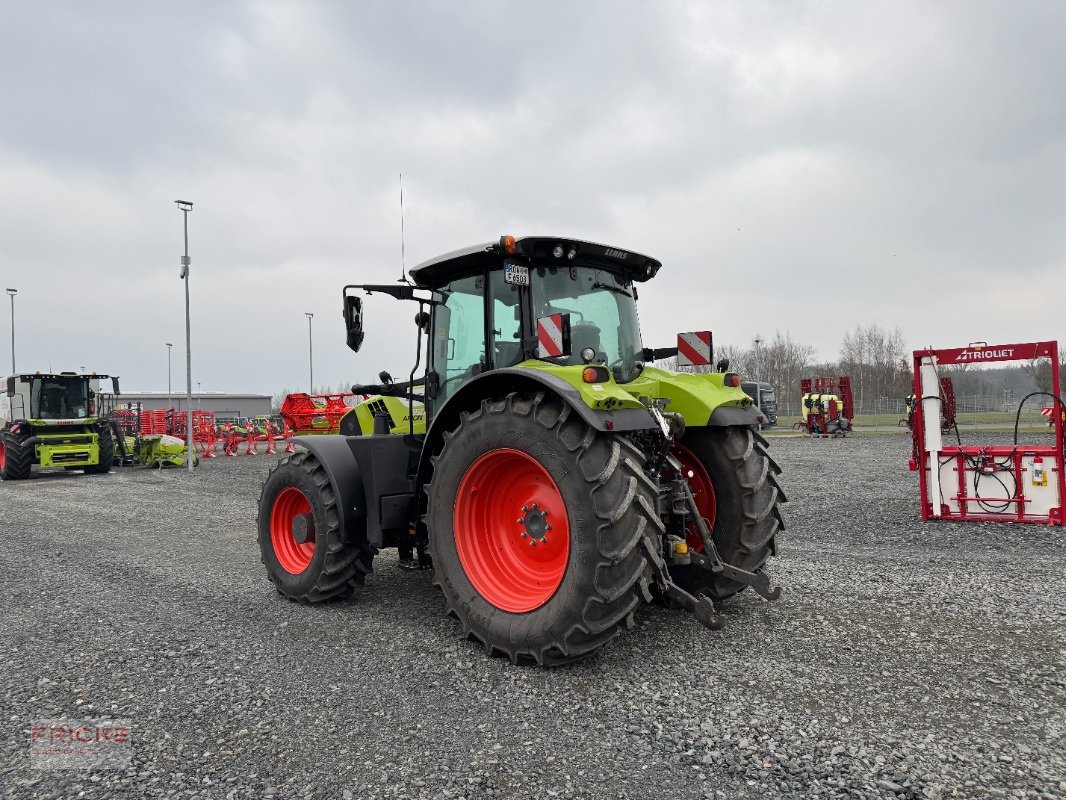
(525, 508)
(520, 520)
(536, 505)
(532, 542)
(547, 527)
(545, 540)
(524, 534)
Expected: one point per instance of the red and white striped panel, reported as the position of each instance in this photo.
(1047, 411)
(694, 349)
(550, 336)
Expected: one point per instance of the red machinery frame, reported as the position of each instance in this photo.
(840, 387)
(958, 498)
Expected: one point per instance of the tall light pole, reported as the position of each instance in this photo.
(758, 359)
(12, 292)
(170, 395)
(310, 351)
(186, 207)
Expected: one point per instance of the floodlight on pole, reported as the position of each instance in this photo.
(185, 206)
(758, 358)
(310, 352)
(12, 292)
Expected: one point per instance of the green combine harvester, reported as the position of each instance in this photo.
(52, 420)
(59, 421)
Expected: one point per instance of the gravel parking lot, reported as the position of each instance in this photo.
(904, 659)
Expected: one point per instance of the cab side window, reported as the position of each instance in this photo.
(506, 321)
(458, 335)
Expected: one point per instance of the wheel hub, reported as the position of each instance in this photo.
(303, 528)
(534, 524)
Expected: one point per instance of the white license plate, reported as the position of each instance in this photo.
(513, 273)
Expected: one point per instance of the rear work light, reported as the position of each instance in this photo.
(595, 375)
(732, 379)
(508, 245)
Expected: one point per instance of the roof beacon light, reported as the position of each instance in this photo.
(508, 245)
(732, 379)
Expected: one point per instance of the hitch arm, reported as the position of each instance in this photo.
(710, 560)
(759, 580)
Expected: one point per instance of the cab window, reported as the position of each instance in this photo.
(506, 321)
(459, 335)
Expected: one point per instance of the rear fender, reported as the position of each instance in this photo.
(497, 384)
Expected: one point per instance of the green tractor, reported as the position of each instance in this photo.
(53, 420)
(549, 474)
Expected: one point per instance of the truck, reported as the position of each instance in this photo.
(765, 398)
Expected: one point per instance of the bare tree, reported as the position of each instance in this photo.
(876, 360)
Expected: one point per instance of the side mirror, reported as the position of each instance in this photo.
(553, 336)
(114, 385)
(353, 321)
(11, 386)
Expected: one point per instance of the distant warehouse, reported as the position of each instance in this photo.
(225, 406)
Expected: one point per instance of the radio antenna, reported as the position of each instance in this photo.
(403, 244)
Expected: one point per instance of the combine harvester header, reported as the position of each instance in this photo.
(1016, 483)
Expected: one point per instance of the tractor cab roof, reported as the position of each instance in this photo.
(536, 251)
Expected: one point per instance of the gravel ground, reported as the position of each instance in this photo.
(904, 659)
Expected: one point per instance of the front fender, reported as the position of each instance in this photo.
(337, 459)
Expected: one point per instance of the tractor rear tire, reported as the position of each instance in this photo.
(106, 443)
(324, 566)
(746, 505)
(16, 459)
(597, 547)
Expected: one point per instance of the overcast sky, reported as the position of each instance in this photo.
(796, 167)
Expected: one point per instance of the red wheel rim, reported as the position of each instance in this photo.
(702, 492)
(293, 556)
(502, 496)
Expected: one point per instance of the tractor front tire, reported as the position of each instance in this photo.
(16, 459)
(544, 532)
(742, 503)
(300, 536)
(106, 445)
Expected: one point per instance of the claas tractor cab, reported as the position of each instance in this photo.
(53, 420)
(535, 459)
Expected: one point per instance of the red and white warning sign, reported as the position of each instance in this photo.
(694, 349)
(553, 335)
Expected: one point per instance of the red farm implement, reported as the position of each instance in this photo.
(309, 414)
(232, 436)
(1015, 483)
(948, 407)
(827, 406)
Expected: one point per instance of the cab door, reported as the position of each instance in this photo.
(457, 344)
